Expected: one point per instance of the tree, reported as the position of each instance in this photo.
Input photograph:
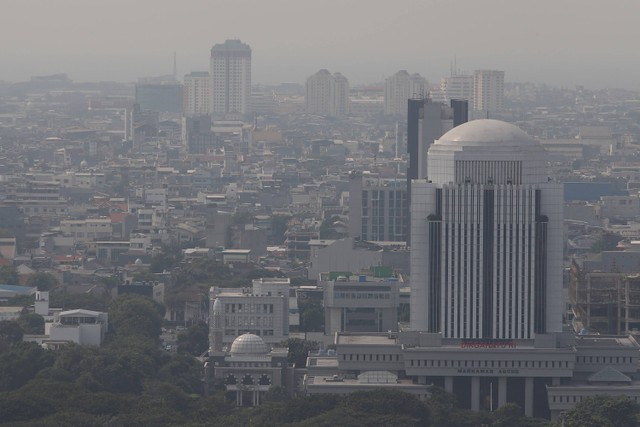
(22, 363)
(299, 350)
(42, 281)
(8, 275)
(10, 334)
(311, 316)
(194, 340)
(135, 315)
(31, 323)
(604, 411)
(60, 298)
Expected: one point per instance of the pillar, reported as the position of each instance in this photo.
(502, 391)
(448, 384)
(238, 397)
(528, 396)
(475, 393)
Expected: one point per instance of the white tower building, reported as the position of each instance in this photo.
(230, 77)
(196, 94)
(401, 87)
(327, 94)
(486, 236)
(488, 90)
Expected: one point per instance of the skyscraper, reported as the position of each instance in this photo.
(196, 94)
(327, 94)
(230, 78)
(401, 87)
(486, 236)
(488, 90)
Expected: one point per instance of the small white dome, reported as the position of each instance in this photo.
(249, 344)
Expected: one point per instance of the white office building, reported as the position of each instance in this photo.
(262, 310)
(230, 78)
(488, 91)
(196, 94)
(486, 233)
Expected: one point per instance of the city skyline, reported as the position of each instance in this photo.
(542, 42)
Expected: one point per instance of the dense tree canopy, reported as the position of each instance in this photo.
(31, 323)
(135, 315)
(604, 411)
(8, 275)
(195, 340)
(42, 281)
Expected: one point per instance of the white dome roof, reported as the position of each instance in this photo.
(249, 344)
(486, 132)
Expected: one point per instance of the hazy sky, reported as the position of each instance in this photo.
(560, 42)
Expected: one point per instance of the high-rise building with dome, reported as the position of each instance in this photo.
(486, 237)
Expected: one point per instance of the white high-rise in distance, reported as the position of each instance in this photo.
(230, 78)
(327, 94)
(196, 94)
(486, 237)
(401, 87)
(488, 90)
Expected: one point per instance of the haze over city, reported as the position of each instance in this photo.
(559, 43)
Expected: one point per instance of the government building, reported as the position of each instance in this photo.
(486, 290)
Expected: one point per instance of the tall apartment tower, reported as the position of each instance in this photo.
(327, 94)
(488, 90)
(340, 95)
(486, 237)
(230, 78)
(401, 87)
(196, 94)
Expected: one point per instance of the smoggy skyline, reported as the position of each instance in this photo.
(561, 43)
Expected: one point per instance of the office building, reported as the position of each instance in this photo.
(327, 94)
(401, 87)
(488, 91)
(360, 303)
(230, 78)
(262, 310)
(486, 233)
(197, 135)
(377, 208)
(427, 121)
(160, 97)
(196, 94)
(486, 282)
